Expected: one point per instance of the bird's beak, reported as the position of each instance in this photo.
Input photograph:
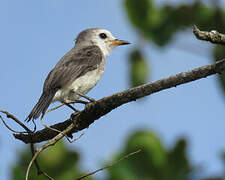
(117, 42)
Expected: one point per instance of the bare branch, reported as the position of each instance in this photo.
(108, 166)
(11, 116)
(46, 145)
(8, 127)
(39, 171)
(212, 36)
(95, 110)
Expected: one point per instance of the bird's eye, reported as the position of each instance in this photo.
(103, 36)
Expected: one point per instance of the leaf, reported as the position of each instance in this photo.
(139, 11)
(145, 165)
(138, 69)
(160, 24)
(178, 165)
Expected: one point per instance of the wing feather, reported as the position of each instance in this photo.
(73, 65)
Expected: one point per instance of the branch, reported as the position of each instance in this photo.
(212, 36)
(108, 166)
(11, 116)
(95, 110)
(44, 146)
(39, 171)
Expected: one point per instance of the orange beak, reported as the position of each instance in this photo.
(118, 42)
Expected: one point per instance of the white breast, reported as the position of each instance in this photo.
(81, 85)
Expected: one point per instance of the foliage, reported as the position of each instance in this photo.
(154, 162)
(139, 68)
(57, 161)
(159, 25)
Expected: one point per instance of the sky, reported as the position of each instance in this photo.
(36, 34)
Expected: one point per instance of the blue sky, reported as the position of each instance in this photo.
(36, 34)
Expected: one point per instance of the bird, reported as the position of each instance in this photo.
(78, 71)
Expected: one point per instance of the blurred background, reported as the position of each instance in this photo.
(180, 130)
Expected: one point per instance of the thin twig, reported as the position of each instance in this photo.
(46, 145)
(48, 127)
(7, 126)
(30, 164)
(108, 166)
(74, 140)
(39, 171)
(11, 116)
(53, 129)
(46, 175)
(54, 108)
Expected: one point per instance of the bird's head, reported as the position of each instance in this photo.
(100, 37)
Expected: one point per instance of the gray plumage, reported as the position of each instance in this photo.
(78, 71)
(74, 64)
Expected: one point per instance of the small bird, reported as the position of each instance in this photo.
(78, 71)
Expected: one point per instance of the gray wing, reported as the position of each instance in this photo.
(73, 65)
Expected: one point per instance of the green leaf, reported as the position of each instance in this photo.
(160, 24)
(138, 69)
(145, 165)
(139, 11)
(154, 162)
(178, 166)
(152, 149)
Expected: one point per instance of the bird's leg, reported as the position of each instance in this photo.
(72, 107)
(79, 101)
(67, 103)
(86, 97)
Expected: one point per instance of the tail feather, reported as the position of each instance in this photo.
(42, 105)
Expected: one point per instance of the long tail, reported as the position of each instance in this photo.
(42, 105)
